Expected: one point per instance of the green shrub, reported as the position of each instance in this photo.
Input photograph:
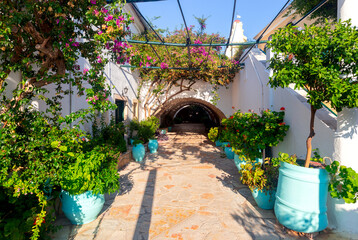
(147, 129)
(111, 134)
(213, 134)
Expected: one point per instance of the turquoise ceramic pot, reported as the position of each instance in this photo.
(229, 152)
(153, 145)
(131, 140)
(301, 199)
(170, 129)
(240, 159)
(138, 152)
(218, 143)
(264, 199)
(82, 208)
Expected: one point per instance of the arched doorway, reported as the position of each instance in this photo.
(190, 114)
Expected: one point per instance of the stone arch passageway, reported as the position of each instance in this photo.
(190, 114)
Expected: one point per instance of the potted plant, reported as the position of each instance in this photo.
(252, 133)
(343, 182)
(321, 60)
(85, 181)
(138, 150)
(146, 133)
(262, 179)
(213, 136)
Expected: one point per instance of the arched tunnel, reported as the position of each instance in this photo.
(190, 114)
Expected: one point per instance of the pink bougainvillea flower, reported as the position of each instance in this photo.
(93, 2)
(85, 71)
(148, 58)
(57, 21)
(154, 60)
(67, 45)
(96, 12)
(147, 64)
(95, 98)
(109, 18)
(99, 59)
(131, 18)
(75, 44)
(282, 109)
(163, 65)
(198, 41)
(104, 10)
(100, 32)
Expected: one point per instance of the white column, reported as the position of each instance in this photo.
(341, 215)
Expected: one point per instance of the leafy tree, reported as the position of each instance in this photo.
(44, 41)
(327, 11)
(321, 60)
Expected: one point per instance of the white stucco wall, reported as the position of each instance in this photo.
(203, 91)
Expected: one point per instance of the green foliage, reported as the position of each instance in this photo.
(253, 176)
(264, 176)
(145, 129)
(249, 133)
(137, 141)
(327, 11)
(284, 157)
(30, 170)
(112, 135)
(343, 182)
(213, 134)
(41, 40)
(321, 60)
(94, 170)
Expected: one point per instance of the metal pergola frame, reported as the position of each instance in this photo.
(210, 45)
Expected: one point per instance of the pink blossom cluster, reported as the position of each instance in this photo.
(92, 100)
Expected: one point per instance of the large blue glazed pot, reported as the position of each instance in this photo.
(82, 208)
(240, 159)
(153, 145)
(229, 152)
(218, 143)
(138, 152)
(301, 199)
(264, 199)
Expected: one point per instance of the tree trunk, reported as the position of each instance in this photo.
(309, 139)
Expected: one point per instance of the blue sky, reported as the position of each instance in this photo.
(255, 14)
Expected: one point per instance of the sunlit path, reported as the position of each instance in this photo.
(186, 191)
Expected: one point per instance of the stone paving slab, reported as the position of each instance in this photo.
(185, 191)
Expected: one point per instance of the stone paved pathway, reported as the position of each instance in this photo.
(186, 191)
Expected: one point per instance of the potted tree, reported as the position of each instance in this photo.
(321, 60)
